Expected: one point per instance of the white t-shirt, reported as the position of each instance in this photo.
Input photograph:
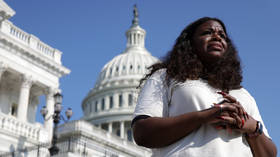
(194, 95)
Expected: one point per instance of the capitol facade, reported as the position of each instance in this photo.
(30, 68)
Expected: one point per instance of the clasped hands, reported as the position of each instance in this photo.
(230, 115)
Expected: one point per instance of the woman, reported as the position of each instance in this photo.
(193, 104)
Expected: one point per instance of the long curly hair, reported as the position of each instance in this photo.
(182, 64)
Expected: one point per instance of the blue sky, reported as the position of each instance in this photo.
(91, 32)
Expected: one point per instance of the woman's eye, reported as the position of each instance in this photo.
(207, 32)
(223, 35)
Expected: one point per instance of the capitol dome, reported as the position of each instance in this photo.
(110, 104)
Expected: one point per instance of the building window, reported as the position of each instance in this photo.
(90, 107)
(130, 99)
(14, 109)
(111, 102)
(111, 71)
(95, 108)
(104, 127)
(118, 132)
(120, 100)
(129, 135)
(103, 104)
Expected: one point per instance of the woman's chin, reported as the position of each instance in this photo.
(216, 54)
(213, 57)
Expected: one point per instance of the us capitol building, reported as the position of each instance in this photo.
(30, 68)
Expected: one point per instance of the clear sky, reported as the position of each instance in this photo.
(91, 32)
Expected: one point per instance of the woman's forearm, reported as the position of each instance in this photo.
(155, 132)
(262, 146)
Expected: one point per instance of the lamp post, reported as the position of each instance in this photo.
(56, 119)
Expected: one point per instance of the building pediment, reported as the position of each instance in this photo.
(5, 11)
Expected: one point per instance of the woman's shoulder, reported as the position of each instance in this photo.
(199, 83)
(158, 75)
(244, 92)
(244, 96)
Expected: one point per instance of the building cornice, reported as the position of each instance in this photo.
(111, 114)
(32, 56)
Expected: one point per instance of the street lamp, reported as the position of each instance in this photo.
(56, 119)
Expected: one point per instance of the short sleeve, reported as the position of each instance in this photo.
(151, 99)
(255, 113)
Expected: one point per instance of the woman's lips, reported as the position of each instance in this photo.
(215, 47)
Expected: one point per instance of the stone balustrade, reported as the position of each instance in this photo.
(101, 136)
(19, 34)
(30, 41)
(12, 126)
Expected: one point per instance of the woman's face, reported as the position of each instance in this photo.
(209, 41)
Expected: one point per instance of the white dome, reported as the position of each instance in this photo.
(110, 104)
(126, 66)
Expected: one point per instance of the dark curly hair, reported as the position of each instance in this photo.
(181, 63)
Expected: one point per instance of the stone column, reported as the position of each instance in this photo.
(3, 68)
(125, 99)
(122, 129)
(24, 97)
(116, 101)
(107, 102)
(110, 129)
(32, 106)
(48, 124)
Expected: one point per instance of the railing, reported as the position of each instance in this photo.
(78, 145)
(111, 140)
(40, 150)
(19, 34)
(84, 148)
(30, 41)
(45, 49)
(14, 127)
(72, 145)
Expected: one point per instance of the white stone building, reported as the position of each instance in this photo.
(29, 68)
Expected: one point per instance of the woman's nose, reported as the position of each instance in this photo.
(216, 36)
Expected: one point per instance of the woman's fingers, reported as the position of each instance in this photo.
(228, 97)
(233, 100)
(226, 107)
(239, 121)
(240, 109)
(228, 120)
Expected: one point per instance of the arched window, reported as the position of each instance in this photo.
(129, 135)
(118, 132)
(90, 107)
(95, 107)
(103, 104)
(120, 100)
(14, 109)
(111, 102)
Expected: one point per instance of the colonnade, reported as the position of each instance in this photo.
(27, 81)
(122, 127)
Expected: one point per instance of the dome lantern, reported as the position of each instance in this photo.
(135, 35)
